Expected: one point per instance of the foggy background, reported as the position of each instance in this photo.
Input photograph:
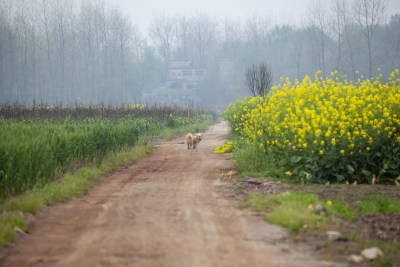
(283, 11)
(120, 51)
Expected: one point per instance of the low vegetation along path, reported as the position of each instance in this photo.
(170, 209)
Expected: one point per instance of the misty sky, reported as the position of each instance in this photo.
(141, 11)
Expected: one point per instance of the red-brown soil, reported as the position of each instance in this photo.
(170, 209)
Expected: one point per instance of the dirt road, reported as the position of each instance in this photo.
(169, 209)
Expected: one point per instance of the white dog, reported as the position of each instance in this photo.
(193, 140)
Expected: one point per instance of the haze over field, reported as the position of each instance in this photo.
(183, 52)
(284, 11)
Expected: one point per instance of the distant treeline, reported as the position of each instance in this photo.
(54, 113)
(72, 51)
(89, 52)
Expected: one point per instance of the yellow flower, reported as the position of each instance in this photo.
(329, 203)
(328, 133)
(310, 207)
(321, 111)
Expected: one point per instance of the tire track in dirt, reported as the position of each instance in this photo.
(169, 209)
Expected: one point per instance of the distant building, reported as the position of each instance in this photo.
(180, 86)
(182, 83)
(182, 70)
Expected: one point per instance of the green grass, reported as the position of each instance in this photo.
(288, 209)
(340, 207)
(8, 222)
(378, 204)
(76, 183)
(251, 160)
(256, 202)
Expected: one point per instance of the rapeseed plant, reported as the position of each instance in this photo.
(326, 130)
(226, 147)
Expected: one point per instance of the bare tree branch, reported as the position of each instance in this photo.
(259, 79)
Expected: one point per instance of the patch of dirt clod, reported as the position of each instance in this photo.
(382, 226)
(258, 185)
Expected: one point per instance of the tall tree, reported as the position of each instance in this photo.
(337, 24)
(297, 42)
(393, 34)
(369, 14)
(203, 32)
(162, 32)
(182, 37)
(318, 25)
(344, 13)
(231, 36)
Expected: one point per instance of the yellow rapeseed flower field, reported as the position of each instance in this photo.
(326, 130)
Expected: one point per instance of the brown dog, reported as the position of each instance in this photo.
(193, 140)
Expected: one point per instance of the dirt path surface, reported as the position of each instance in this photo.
(170, 209)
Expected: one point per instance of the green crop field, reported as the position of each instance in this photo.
(38, 144)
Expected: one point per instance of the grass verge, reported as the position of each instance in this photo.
(76, 183)
(378, 204)
(292, 210)
(250, 160)
(9, 224)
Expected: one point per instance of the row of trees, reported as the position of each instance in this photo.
(65, 50)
